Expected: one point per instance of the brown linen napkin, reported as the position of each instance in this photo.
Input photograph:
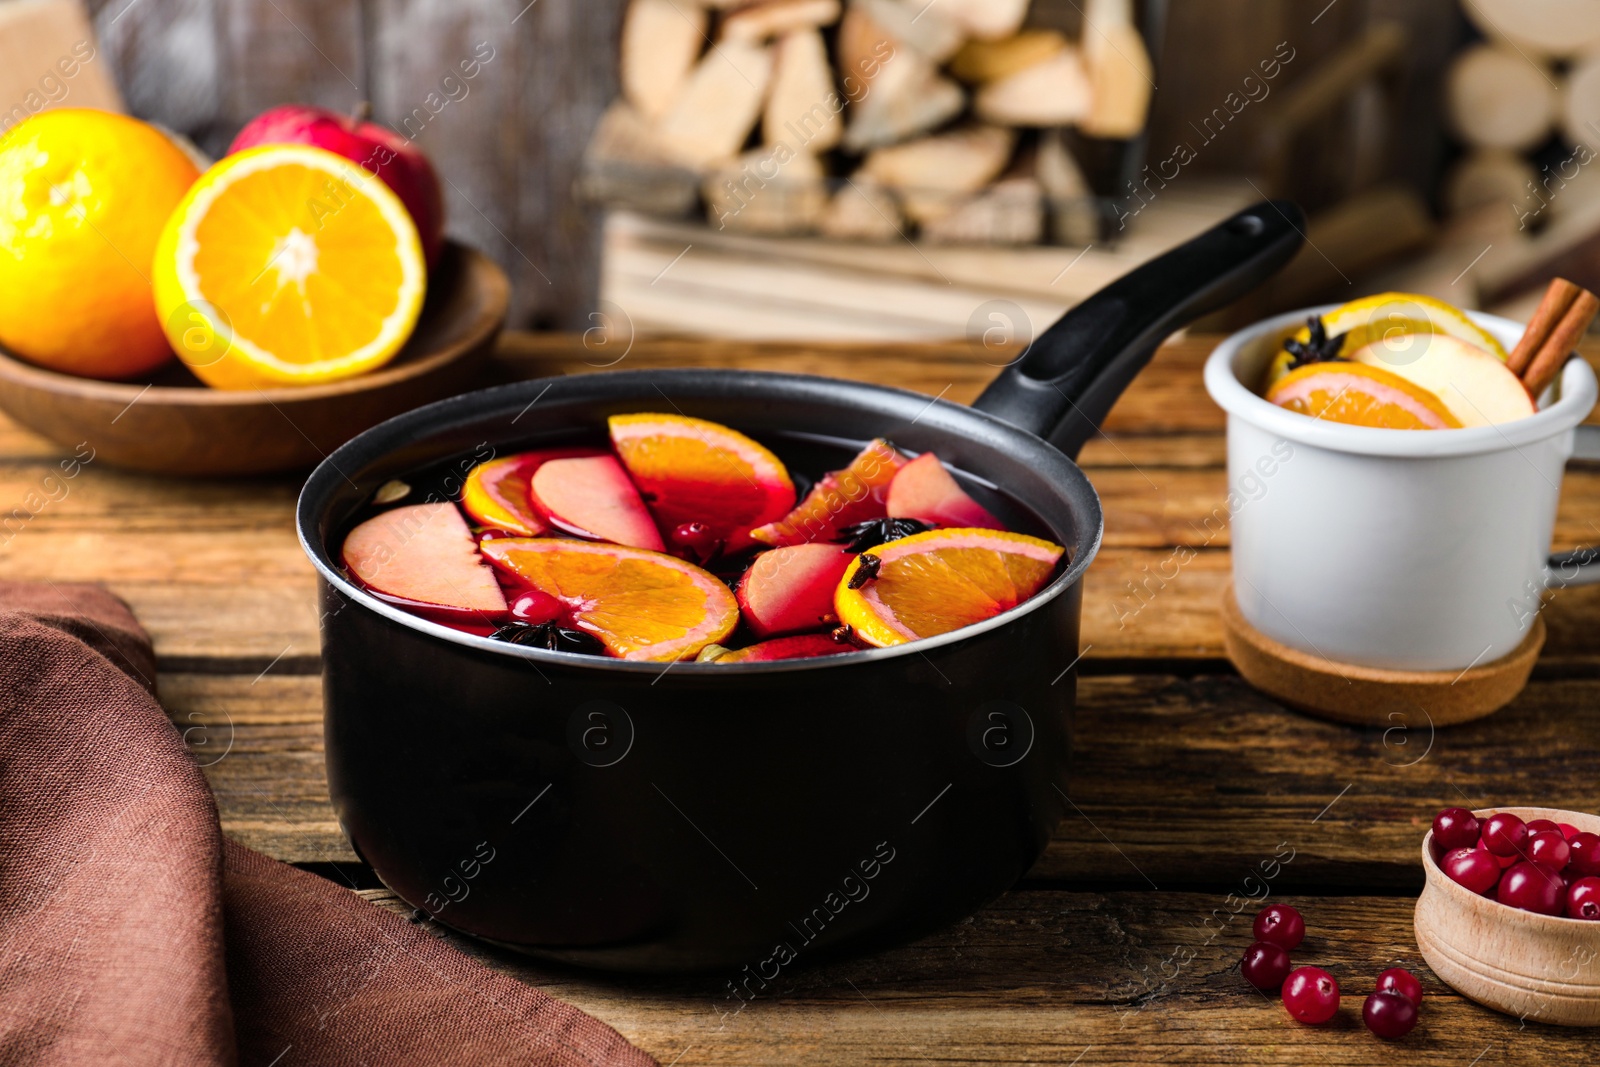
(132, 932)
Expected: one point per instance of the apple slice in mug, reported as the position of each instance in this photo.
(1473, 384)
(593, 498)
(422, 557)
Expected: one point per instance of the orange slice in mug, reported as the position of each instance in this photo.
(1360, 395)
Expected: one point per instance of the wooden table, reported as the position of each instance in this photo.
(1121, 945)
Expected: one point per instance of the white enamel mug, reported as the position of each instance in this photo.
(1401, 549)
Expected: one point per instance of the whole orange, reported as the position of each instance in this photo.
(84, 195)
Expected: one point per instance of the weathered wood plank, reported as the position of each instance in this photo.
(1167, 770)
(259, 741)
(262, 622)
(1177, 782)
(1045, 977)
(165, 60)
(289, 52)
(566, 85)
(445, 76)
(1131, 610)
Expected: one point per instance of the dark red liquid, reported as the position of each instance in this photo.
(807, 458)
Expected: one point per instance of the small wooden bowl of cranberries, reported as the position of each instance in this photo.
(1510, 914)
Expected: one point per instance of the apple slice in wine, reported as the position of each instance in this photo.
(593, 498)
(423, 557)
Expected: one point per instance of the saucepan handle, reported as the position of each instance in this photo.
(1581, 566)
(1068, 378)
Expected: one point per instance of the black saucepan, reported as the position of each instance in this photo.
(751, 817)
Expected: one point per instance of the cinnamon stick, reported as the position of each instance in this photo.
(1548, 360)
(1557, 301)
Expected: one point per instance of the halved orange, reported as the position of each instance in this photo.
(1361, 395)
(641, 605)
(694, 470)
(496, 493)
(288, 265)
(931, 583)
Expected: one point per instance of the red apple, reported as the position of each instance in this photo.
(400, 163)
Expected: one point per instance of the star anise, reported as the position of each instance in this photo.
(875, 532)
(550, 635)
(1320, 348)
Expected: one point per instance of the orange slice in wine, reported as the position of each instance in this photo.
(496, 493)
(931, 583)
(839, 499)
(642, 605)
(694, 470)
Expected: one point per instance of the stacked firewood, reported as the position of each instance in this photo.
(867, 119)
(1535, 76)
(1525, 105)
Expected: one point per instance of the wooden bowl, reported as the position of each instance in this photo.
(1539, 967)
(172, 423)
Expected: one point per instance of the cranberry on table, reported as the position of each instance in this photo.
(1389, 1015)
(1583, 899)
(1584, 853)
(1311, 995)
(1547, 848)
(1265, 966)
(1455, 828)
(1280, 924)
(1531, 888)
(1473, 868)
(1401, 981)
(1504, 833)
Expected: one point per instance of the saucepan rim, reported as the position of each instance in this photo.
(396, 432)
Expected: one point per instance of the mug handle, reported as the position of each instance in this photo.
(1581, 566)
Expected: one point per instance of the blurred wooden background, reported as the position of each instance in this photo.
(508, 142)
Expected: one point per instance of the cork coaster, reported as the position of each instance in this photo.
(1371, 696)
